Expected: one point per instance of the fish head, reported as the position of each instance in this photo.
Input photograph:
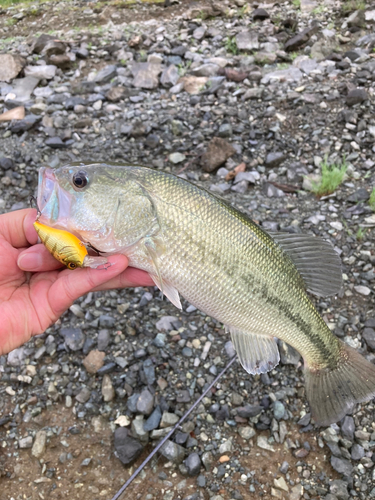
(104, 205)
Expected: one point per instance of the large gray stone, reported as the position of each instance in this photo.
(173, 452)
(10, 66)
(247, 40)
(146, 75)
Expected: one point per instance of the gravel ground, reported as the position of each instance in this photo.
(247, 102)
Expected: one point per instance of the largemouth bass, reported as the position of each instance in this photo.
(194, 244)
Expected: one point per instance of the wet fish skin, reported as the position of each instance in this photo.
(193, 243)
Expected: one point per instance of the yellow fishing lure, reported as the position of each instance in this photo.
(65, 247)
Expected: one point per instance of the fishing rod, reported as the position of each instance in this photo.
(171, 432)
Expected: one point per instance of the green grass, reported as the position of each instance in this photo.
(297, 3)
(371, 201)
(361, 233)
(353, 5)
(332, 177)
(318, 10)
(231, 46)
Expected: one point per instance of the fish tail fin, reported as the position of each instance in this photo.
(333, 392)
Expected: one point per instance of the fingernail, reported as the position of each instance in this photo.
(30, 261)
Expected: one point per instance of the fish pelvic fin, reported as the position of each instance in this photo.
(332, 393)
(168, 290)
(257, 353)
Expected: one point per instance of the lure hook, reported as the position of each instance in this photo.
(34, 203)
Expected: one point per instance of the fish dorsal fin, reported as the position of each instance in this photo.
(168, 290)
(315, 259)
(257, 353)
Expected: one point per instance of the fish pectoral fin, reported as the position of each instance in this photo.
(315, 259)
(168, 290)
(257, 353)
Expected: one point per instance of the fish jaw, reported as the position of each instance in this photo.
(55, 204)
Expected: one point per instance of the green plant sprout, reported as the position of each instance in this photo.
(332, 177)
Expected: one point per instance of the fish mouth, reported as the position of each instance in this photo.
(54, 202)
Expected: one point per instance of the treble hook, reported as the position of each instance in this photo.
(33, 202)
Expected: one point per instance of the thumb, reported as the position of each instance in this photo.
(73, 284)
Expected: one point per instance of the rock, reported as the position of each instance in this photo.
(168, 420)
(26, 124)
(169, 76)
(296, 492)
(47, 71)
(103, 339)
(62, 61)
(23, 87)
(138, 430)
(288, 355)
(342, 465)
(247, 40)
(128, 449)
(145, 402)
(199, 33)
(308, 5)
(25, 443)
(274, 159)
(357, 452)
(369, 335)
(193, 464)
(115, 94)
(55, 143)
(359, 195)
(94, 361)
(166, 323)
(173, 452)
(108, 391)
(339, 488)
(217, 153)
(348, 427)
(206, 70)
(283, 75)
(356, 19)
(260, 15)
(249, 411)
(10, 66)
(263, 57)
(254, 93)
(74, 338)
(278, 410)
(84, 395)
(123, 421)
(146, 75)
(153, 420)
(246, 432)
(363, 290)
(41, 42)
(235, 75)
(193, 84)
(106, 74)
(298, 40)
(107, 321)
(176, 158)
(280, 484)
(356, 96)
(54, 47)
(39, 446)
(17, 356)
(226, 446)
(262, 442)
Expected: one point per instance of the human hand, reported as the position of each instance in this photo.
(35, 291)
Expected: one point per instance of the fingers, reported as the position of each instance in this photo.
(73, 284)
(17, 227)
(130, 277)
(37, 259)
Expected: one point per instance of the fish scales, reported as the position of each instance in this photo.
(193, 243)
(232, 270)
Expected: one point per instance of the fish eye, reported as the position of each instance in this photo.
(80, 179)
(72, 265)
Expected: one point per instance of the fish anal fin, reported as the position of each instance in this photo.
(257, 353)
(168, 290)
(154, 249)
(316, 260)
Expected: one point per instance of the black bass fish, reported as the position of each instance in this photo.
(194, 244)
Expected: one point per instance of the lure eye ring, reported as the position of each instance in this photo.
(72, 265)
(80, 179)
